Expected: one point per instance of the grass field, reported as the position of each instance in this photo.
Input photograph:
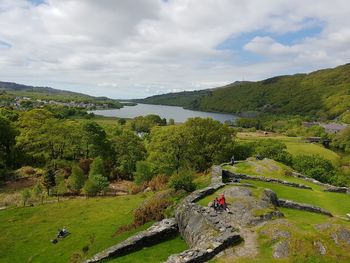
(26, 232)
(295, 145)
(155, 254)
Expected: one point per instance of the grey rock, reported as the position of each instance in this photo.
(320, 247)
(281, 249)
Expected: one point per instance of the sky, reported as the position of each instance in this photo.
(138, 48)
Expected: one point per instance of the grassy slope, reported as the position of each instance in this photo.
(295, 145)
(301, 224)
(155, 254)
(318, 92)
(26, 232)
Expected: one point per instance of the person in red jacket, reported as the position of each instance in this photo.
(222, 202)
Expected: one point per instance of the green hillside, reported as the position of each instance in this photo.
(325, 93)
(9, 90)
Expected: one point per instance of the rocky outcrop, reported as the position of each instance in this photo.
(156, 233)
(201, 254)
(228, 176)
(303, 207)
(281, 249)
(203, 228)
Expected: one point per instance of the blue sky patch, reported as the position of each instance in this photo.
(236, 44)
(37, 2)
(4, 44)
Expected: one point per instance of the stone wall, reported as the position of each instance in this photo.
(328, 187)
(155, 234)
(303, 207)
(201, 227)
(228, 176)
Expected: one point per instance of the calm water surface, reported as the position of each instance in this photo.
(169, 112)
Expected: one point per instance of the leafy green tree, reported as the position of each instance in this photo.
(49, 180)
(10, 115)
(61, 187)
(144, 172)
(314, 166)
(95, 140)
(183, 180)
(209, 141)
(97, 167)
(273, 149)
(95, 184)
(7, 141)
(342, 140)
(169, 149)
(129, 150)
(76, 180)
(26, 195)
(38, 192)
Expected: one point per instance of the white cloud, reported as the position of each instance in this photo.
(136, 48)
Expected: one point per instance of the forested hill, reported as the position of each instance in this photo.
(47, 93)
(323, 93)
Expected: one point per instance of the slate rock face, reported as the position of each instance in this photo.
(338, 233)
(244, 206)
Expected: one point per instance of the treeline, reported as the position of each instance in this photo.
(80, 156)
(322, 94)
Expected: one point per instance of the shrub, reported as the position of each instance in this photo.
(151, 210)
(97, 167)
(242, 151)
(26, 171)
(314, 166)
(144, 172)
(95, 184)
(26, 195)
(183, 180)
(158, 182)
(273, 149)
(76, 180)
(38, 192)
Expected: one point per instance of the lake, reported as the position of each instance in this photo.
(179, 114)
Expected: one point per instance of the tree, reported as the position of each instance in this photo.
(61, 187)
(97, 167)
(169, 149)
(129, 149)
(26, 195)
(314, 166)
(95, 140)
(76, 180)
(95, 184)
(273, 149)
(49, 180)
(144, 172)
(209, 142)
(183, 180)
(342, 140)
(38, 192)
(7, 141)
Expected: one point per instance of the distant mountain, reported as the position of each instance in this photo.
(54, 94)
(323, 93)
